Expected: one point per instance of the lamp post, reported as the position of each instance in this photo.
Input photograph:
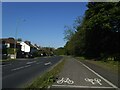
(15, 42)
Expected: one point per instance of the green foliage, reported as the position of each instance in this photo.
(48, 50)
(4, 51)
(10, 50)
(60, 51)
(19, 39)
(36, 54)
(68, 33)
(98, 33)
(47, 78)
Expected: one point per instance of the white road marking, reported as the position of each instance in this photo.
(98, 75)
(31, 62)
(75, 86)
(20, 68)
(17, 68)
(48, 63)
(27, 66)
(93, 81)
(68, 81)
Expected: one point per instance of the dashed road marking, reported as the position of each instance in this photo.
(31, 62)
(48, 63)
(20, 68)
(27, 66)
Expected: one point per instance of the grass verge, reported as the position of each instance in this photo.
(109, 64)
(80, 58)
(47, 79)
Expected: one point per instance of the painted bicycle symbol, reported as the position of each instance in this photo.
(94, 81)
(68, 81)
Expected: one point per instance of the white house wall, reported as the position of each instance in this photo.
(25, 47)
(8, 45)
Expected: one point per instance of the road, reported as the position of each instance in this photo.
(21, 72)
(78, 75)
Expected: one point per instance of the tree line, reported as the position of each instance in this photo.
(96, 35)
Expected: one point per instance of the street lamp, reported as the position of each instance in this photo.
(15, 42)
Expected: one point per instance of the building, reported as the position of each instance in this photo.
(13, 49)
(25, 49)
(33, 49)
(10, 47)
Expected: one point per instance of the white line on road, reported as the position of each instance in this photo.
(48, 63)
(98, 75)
(65, 80)
(31, 62)
(75, 86)
(20, 67)
(27, 66)
(93, 81)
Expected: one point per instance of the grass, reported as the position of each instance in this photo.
(47, 78)
(109, 64)
(80, 58)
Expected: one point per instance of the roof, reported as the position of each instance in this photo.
(29, 43)
(8, 40)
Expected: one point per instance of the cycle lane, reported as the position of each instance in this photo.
(77, 75)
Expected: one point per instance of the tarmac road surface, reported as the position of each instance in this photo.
(77, 75)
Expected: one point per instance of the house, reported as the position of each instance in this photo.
(25, 49)
(10, 47)
(13, 49)
(33, 49)
(28, 49)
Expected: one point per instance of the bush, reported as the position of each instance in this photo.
(10, 50)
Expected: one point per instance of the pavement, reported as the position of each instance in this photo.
(79, 75)
(19, 73)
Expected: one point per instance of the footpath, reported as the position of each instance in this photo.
(77, 75)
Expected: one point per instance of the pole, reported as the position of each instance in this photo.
(15, 40)
(15, 43)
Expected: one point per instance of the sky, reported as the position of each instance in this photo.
(41, 23)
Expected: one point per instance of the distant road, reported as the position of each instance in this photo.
(21, 72)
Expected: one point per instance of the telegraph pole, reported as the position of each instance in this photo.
(15, 42)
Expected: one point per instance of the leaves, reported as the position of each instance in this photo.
(98, 32)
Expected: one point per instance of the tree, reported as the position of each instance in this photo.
(102, 28)
(68, 33)
(60, 51)
(19, 39)
(97, 33)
